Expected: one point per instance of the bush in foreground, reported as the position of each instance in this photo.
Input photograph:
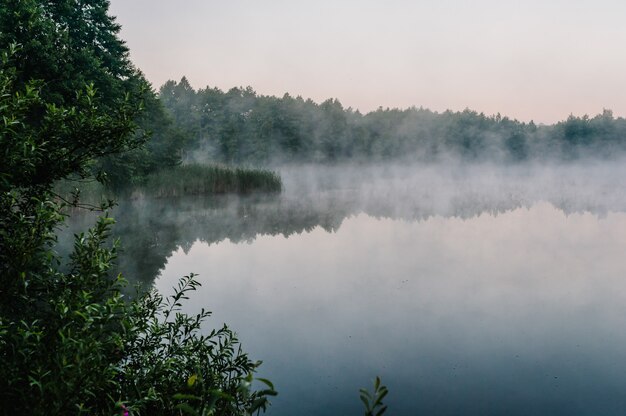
(69, 342)
(86, 350)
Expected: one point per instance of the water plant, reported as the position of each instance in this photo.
(373, 401)
(210, 179)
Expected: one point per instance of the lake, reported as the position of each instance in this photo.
(469, 289)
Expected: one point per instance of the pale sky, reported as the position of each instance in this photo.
(530, 59)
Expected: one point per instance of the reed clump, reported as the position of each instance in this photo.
(210, 179)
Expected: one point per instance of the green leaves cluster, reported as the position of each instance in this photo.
(70, 47)
(373, 401)
(68, 44)
(175, 366)
(43, 142)
(60, 333)
(86, 350)
(70, 343)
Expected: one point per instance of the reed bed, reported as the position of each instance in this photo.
(213, 179)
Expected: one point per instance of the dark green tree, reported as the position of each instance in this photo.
(68, 44)
(69, 342)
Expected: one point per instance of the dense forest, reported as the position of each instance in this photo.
(241, 127)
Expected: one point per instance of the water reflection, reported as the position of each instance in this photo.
(151, 229)
(470, 290)
(520, 313)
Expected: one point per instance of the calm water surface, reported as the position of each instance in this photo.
(481, 291)
(520, 313)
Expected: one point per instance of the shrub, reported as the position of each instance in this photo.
(86, 350)
(69, 342)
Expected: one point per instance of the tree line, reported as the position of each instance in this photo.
(240, 126)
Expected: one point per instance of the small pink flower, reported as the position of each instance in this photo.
(125, 410)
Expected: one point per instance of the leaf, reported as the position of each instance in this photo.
(221, 395)
(381, 395)
(266, 382)
(191, 381)
(185, 408)
(381, 411)
(258, 404)
(365, 393)
(366, 403)
(268, 392)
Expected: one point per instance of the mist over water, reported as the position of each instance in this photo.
(469, 288)
(413, 191)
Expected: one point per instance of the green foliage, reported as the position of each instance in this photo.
(61, 333)
(70, 343)
(239, 127)
(43, 142)
(174, 366)
(84, 349)
(201, 374)
(203, 180)
(373, 401)
(162, 151)
(69, 44)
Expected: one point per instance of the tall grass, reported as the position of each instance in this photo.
(215, 179)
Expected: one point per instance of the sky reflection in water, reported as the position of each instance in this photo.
(519, 313)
